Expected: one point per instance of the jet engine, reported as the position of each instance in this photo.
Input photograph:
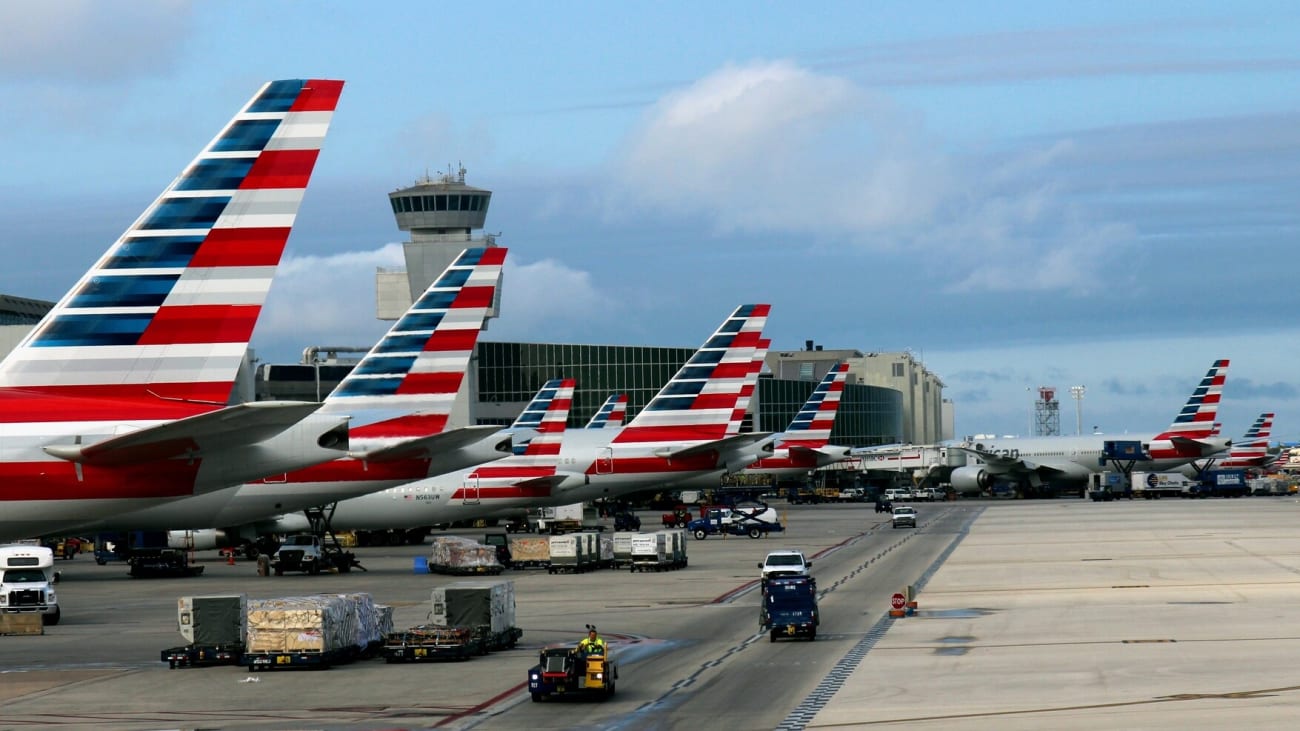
(971, 480)
(200, 540)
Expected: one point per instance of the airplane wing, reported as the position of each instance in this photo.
(1002, 464)
(557, 481)
(233, 426)
(821, 455)
(430, 446)
(738, 441)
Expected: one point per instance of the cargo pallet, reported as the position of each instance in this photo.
(465, 570)
(521, 565)
(428, 642)
(322, 660)
(203, 655)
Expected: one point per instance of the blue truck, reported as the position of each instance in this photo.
(789, 608)
(1226, 483)
(754, 522)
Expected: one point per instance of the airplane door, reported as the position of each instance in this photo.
(471, 491)
(605, 461)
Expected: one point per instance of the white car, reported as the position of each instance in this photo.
(904, 515)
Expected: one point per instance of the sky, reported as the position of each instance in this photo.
(1022, 194)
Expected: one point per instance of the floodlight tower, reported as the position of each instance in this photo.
(1047, 413)
(1077, 393)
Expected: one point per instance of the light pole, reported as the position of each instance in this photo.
(1077, 393)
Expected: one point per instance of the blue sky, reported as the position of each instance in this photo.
(1022, 193)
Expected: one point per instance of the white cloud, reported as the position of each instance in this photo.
(772, 147)
(549, 301)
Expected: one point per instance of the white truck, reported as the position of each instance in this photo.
(1150, 485)
(27, 579)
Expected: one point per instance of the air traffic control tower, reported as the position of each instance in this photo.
(442, 216)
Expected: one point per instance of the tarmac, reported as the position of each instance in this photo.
(1167, 614)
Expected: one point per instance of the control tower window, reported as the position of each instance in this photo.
(417, 204)
(441, 202)
(474, 201)
(453, 203)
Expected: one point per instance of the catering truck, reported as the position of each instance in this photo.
(27, 579)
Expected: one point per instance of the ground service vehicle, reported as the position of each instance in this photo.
(1155, 485)
(904, 517)
(1226, 483)
(215, 627)
(737, 522)
(567, 671)
(27, 579)
(789, 608)
(680, 516)
(310, 554)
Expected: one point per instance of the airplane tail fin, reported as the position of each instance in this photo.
(167, 312)
(812, 426)
(541, 456)
(1254, 445)
(406, 385)
(611, 413)
(698, 403)
(1196, 420)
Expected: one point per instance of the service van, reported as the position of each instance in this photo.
(27, 579)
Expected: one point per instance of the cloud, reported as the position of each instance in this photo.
(774, 148)
(323, 300)
(1245, 388)
(88, 42)
(543, 298)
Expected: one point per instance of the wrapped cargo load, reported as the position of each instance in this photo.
(311, 624)
(431, 642)
(528, 551)
(605, 550)
(458, 555)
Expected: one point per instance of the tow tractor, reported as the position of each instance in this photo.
(568, 671)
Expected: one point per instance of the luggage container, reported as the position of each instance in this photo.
(487, 608)
(569, 554)
(649, 552)
(215, 626)
(622, 547)
(530, 552)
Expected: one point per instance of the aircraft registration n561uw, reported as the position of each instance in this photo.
(399, 398)
(118, 399)
(1069, 460)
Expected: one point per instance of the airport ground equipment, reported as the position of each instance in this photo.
(500, 542)
(678, 518)
(429, 642)
(755, 522)
(789, 608)
(314, 631)
(1226, 483)
(530, 552)
(27, 579)
(486, 608)
(567, 671)
(312, 554)
(573, 553)
(1108, 486)
(621, 542)
(627, 520)
(215, 627)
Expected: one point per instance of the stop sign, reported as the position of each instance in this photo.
(898, 601)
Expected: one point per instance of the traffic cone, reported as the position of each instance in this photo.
(230, 558)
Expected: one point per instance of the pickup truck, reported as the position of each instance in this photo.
(904, 516)
(752, 522)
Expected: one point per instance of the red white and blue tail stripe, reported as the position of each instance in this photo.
(166, 313)
(610, 415)
(536, 410)
(699, 403)
(1197, 419)
(407, 384)
(812, 426)
(1252, 450)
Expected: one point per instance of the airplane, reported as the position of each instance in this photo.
(517, 479)
(1251, 451)
(805, 444)
(399, 398)
(680, 434)
(1035, 462)
(120, 397)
